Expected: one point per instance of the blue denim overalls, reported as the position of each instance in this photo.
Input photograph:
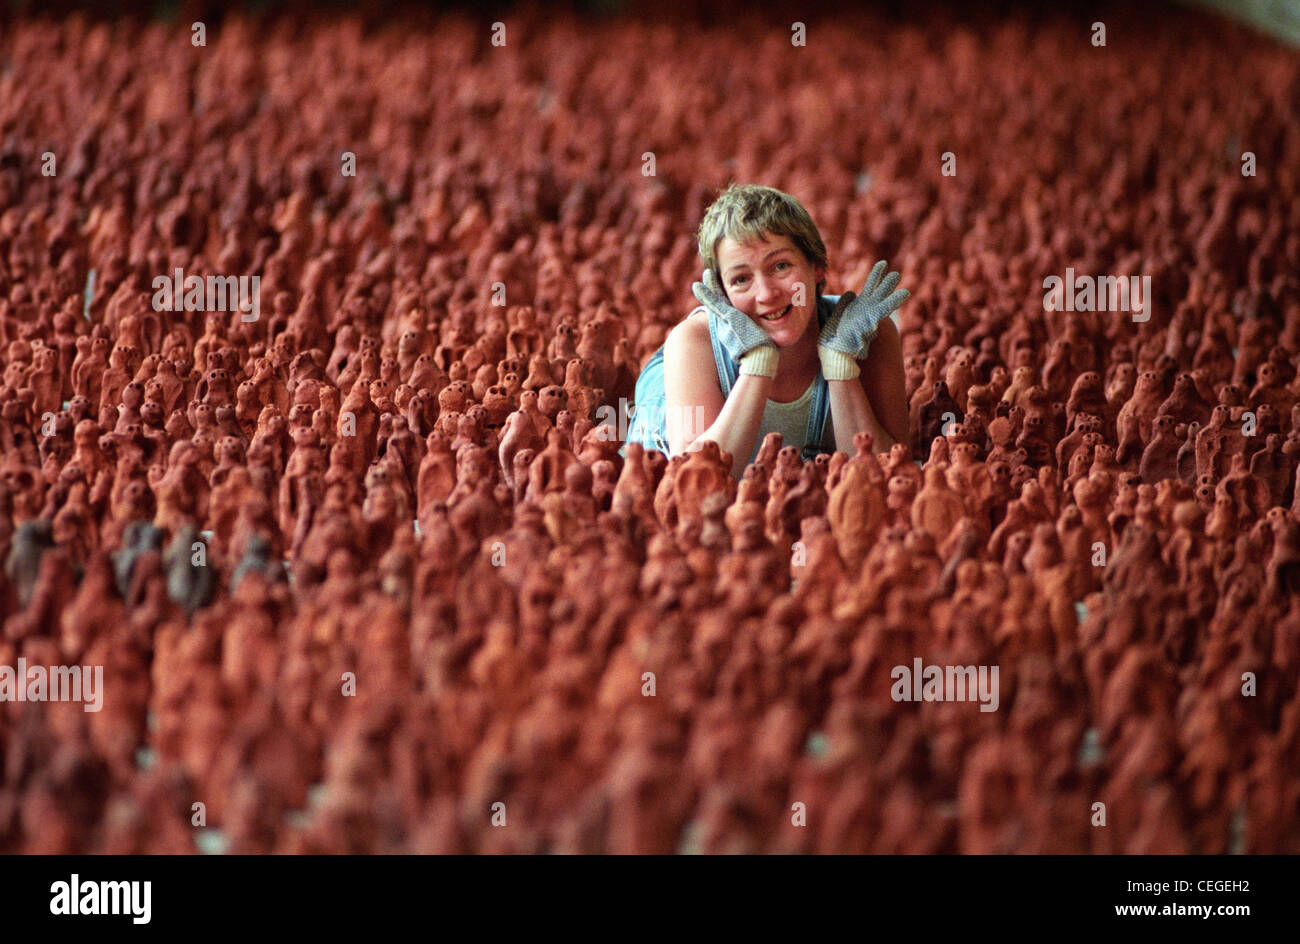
(648, 425)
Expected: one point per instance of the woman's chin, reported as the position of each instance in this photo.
(785, 335)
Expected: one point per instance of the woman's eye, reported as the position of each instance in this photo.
(782, 265)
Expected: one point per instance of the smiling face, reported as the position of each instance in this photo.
(762, 279)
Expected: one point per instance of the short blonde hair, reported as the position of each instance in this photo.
(745, 212)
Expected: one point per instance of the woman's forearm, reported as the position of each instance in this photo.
(851, 414)
(736, 428)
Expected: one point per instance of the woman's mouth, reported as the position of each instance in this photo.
(775, 317)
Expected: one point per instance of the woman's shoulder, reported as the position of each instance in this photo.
(699, 315)
(693, 330)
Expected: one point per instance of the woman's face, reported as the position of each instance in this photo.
(773, 282)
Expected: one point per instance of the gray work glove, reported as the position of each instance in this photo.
(849, 330)
(740, 335)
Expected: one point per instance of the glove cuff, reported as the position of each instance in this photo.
(837, 365)
(761, 361)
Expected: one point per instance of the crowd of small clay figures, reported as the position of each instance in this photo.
(368, 573)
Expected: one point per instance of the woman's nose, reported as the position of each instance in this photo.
(768, 291)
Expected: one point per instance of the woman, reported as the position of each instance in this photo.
(766, 351)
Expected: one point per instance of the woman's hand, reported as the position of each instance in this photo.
(848, 332)
(740, 335)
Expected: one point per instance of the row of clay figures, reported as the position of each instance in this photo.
(309, 434)
(370, 572)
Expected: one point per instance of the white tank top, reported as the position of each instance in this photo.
(791, 421)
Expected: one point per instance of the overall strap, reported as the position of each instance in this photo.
(821, 400)
(817, 414)
(728, 369)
